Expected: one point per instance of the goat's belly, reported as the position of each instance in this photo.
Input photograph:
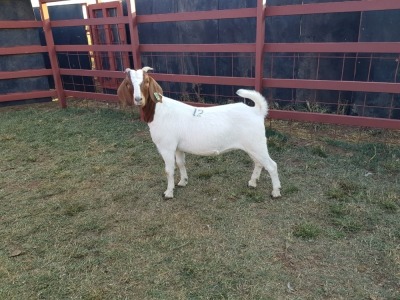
(205, 152)
(206, 149)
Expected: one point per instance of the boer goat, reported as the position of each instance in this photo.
(177, 128)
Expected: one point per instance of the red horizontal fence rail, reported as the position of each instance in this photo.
(198, 15)
(23, 50)
(25, 73)
(20, 24)
(331, 7)
(359, 47)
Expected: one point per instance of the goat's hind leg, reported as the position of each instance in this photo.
(272, 169)
(256, 174)
(262, 157)
(180, 161)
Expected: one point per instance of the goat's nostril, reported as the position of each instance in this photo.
(138, 99)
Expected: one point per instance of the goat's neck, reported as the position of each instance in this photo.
(147, 112)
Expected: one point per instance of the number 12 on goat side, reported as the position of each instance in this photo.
(197, 112)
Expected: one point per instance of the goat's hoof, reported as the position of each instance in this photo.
(182, 183)
(276, 194)
(252, 184)
(167, 196)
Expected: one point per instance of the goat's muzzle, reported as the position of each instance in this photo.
(138, 101)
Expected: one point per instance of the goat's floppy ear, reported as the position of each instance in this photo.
(146, 69)
(155, 91)
(125, 93)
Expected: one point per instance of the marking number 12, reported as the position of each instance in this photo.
(197, 112)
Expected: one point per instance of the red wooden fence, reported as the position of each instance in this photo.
(257, 51)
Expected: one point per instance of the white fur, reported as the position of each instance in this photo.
(178, 128)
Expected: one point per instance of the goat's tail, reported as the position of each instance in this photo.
(257, 98)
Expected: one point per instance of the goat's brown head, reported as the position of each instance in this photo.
(145, 88)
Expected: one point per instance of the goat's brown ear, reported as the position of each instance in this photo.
(125, 93)
(155, 91)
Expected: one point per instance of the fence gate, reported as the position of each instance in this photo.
(111, 34)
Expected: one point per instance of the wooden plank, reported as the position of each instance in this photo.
(92, 73)
(219, 80)
(22, 50)
(198, 15)
(233, 48)
(93, 96)
(134, 33)
(52, 54)
(27, 95)
(88, 48)
(358, 47)
(90, 22)
(25, 73)
(331, 7)
(21, 24)
(334, 119)
(333, 85)
(260, 38)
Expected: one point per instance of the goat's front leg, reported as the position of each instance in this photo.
(180, 161)
(169, 160)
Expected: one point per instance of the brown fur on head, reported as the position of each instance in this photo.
(125, 93)
(150, 88)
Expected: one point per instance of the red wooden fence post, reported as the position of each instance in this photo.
(52, 53)
(134, 33)
(260, 40)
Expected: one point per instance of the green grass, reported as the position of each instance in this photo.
(306, 231)
(82, 215)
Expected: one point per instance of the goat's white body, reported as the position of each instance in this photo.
(178, 128)
(205, 131)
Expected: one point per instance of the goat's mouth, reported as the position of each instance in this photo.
(139, 101)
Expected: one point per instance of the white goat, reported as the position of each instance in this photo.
(177, 128)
